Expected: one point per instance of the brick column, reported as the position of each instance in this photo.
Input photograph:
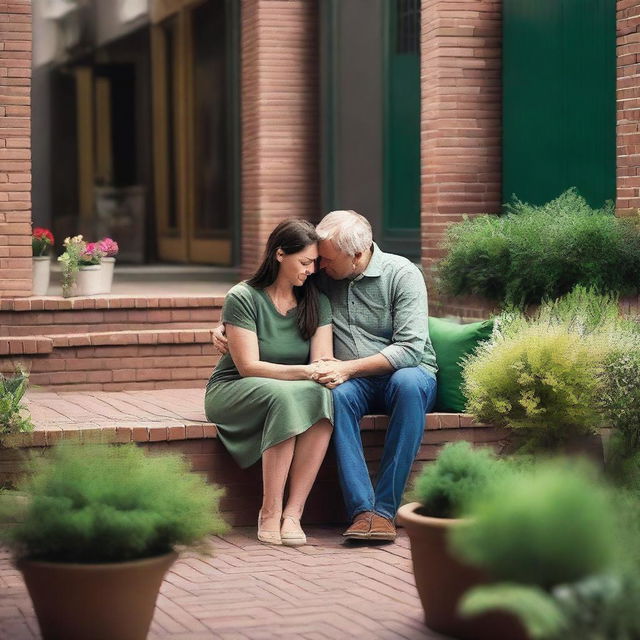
(15, 148)
(280, 149)
(628, 107)
(461, 124)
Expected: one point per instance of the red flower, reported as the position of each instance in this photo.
(40, 233)
(41, 240)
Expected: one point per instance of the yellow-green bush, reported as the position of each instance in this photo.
(543, 379)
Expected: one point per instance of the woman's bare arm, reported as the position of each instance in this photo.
(244, 350)
(322, 343)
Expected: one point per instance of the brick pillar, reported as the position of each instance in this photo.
(280, 148)
(628, 107)
(461, 124)
(15, 148)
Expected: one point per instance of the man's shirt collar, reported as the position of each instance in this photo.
(374, 268)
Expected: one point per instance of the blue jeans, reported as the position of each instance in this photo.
(406, 396)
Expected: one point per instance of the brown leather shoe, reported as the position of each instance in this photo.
(359, 529)
(382, 528)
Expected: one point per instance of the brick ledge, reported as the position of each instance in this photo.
(114, 433)
(54, 303)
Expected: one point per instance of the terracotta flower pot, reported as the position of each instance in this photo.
(97, 601)
(442, 580)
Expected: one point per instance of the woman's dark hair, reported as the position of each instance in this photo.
(291, 236)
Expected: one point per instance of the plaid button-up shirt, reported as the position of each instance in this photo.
(383, 310)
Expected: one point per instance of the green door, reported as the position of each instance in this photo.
(401, 164)
(559, 101)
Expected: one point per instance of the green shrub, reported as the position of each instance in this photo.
(12, 390)
(535, 252)
(445, 487)
(110, 504)
(549, 526)
(541, 381)
(620, 404)
(603, 607)
(540, 374)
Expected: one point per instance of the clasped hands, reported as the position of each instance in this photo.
(329, 372)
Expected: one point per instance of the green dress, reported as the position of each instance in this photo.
(253, 414)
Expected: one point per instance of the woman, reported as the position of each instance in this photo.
(262, 395)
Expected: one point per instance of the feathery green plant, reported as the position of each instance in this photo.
(104, 503)
(550, 525)
(541, 374)
(445, 487)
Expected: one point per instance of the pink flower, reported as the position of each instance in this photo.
(109, 247)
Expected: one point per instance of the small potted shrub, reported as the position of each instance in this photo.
(443, 491)
(551, 543)
(100, 531)
(109, 249)
(41, 241)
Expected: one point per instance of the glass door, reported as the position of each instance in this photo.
(194, 134)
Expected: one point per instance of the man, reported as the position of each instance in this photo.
(385, 363)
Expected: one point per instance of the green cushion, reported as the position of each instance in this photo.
(451, 341)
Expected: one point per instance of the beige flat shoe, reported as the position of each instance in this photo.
(293, 538)
(268, 537)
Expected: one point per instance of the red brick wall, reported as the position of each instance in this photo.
(15, 148)
(461, 124)
(628, 107)
(280, 150)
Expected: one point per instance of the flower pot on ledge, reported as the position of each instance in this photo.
(41, 273)
(106, 274)
(88, 280)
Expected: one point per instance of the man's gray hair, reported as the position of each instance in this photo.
(348, 231)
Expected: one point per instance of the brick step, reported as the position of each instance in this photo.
(50, 316)
(114, 360)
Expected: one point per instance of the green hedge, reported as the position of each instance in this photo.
(536, 252)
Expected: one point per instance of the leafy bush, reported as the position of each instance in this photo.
(446, 486)
(110, 504)
(535, 252)
(562, 524)
(540, 374)
(543, 381)
(12, 390)
(600, 607)
(548, 526)
(620, 404)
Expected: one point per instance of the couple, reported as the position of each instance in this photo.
(309, 355)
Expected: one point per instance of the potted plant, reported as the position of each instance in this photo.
(100, 531)
(41, 240)
(109, 249)
(552, 543)
(444, 490)
(80, 267)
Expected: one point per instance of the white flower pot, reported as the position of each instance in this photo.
(41, 272)
(89, 280)
(106, 274)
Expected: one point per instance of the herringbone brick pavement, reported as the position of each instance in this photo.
(246, 590)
